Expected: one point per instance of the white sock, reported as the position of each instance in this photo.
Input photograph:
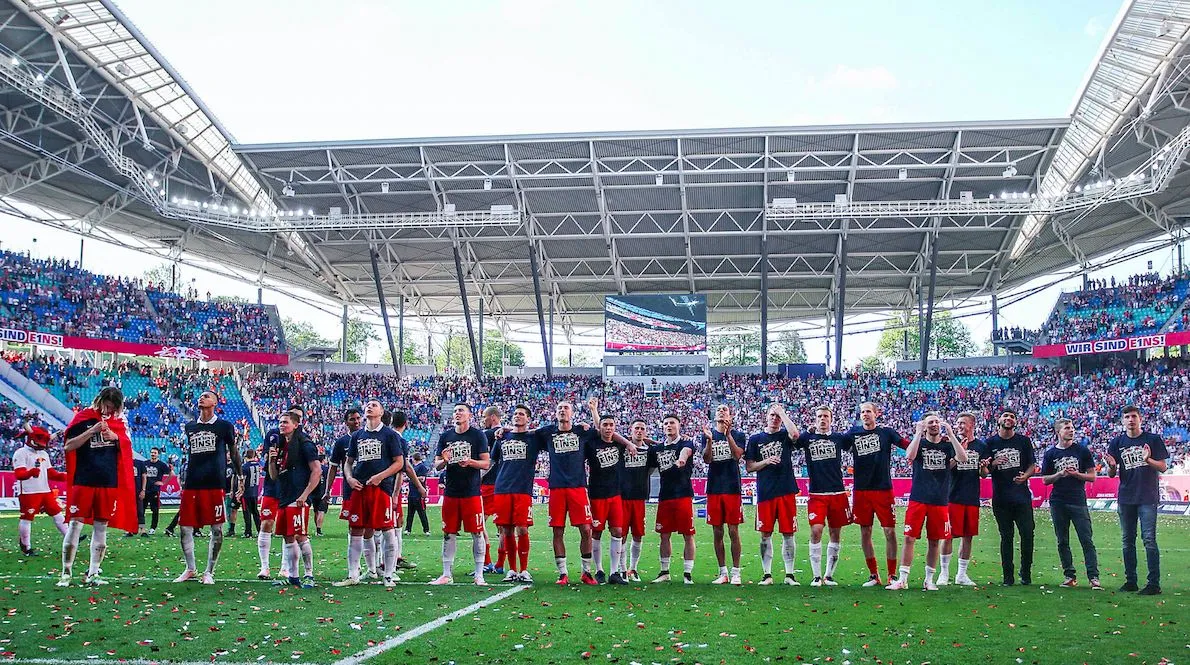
(789, 553)
(291, 552)
(944, 566)
(687, 566)
(585, 561)
(637, 546)
(597, 553)
(24, 532)
(832, 558)
(617, 554)
(929, 575)
(70, 547)
(478, 546)
(816, 559)
(60, 522)
(98, 546)
(400, 541)
(264, 546)
(560, 564)
(215, 546)
(665, 564)
(390, 552)
(722, 571)
(766, 553)
(450, 543)
(905, 574)
(370, 553)
(963, 567)
(188, 547)
(307, 553)
(355, 547)
(735, 571)
(378, 551)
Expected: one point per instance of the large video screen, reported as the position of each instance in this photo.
(655, 323)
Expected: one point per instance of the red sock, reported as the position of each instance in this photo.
(872, 567)
(892, 567)
(503, 553)
(487, 550)
(523, 548)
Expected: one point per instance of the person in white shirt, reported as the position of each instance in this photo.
(31, 463)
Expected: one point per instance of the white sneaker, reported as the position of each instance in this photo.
(479, 581)
(663, 577)
(389, 582)
(63, 581)
(943, 580)
(633, 576)
(95, 580)
(264, 574)
(735, 580)
(816, 582)
(350, 581)
(525, 577)
(829, 581)
(790, 580)
(152, 531)
(929, 585)
(208, 578)
(186, 576)
(511, 577)
(767, 580)
(963, 580)
(444, 579)
(897, 585)
(722, 579)
(872, 581)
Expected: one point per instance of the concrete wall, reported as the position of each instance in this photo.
(977, 361)
(354, 368)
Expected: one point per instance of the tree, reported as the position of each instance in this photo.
(786, 347)
(950, 338)
(412, 355)
(360, 333)
(456, 353)
(573, 358)
(741, 348)
(872, 364)
(231, 300)
(167, 275)
(303, 335)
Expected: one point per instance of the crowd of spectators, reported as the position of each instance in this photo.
(1139, 305)
(624, 335)
(12, 424)
(56, 296)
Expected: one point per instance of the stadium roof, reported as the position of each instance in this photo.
(92, 109)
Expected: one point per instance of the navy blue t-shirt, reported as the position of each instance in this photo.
(1138, 481)
(489, 477)
(675, 480)
(461, 481)
(154, 472)
(964, 477)
(517, 453)
(824, 461)
(421, 470)
(252, 472)
(872, 453)
(931, 473)
(773, 481)
(293, 467)
(723, 473)
(373, 452)
(567, 451)
(1067, 489)
(338, 457)
(603, 468)
(95, 462)
(1010, 457)
(208, 444)
(272, 438)
(634, 475)
(138, 472)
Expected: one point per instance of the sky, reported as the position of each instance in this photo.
(299, 70)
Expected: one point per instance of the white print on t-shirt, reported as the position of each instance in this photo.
(202, 442)
(770, 449)
(822, 449)
(1008, 458)
(1063, 463)
(459, 451)
(97, 441)
(933, 460)
(666, 459)
(636, 461)
(514, 450)
(607, 457)
(972, 463)
(1132, 457)
(867, 444)
(368, 450)
(151, 471)
(720, 451)
(566, 442)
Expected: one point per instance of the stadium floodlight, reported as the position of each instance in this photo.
(384, 187)
(840, 200)
(204, 205)
(487, 184)
(1010, 171)
(966, 196)
(789, 202)
(660, 179)
(790, 175)
(1078, 189)
(15, 61)
(40, 78)
(310, 212)
(235, 210)
(288, 190)
(903, 174)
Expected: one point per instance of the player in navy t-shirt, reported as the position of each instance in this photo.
(252, 474)
(210, 441)
(634, 493)
(1067, 467)
(828, 505)
(722, 449)
(353, 419)
(964, 501)
(293, 463)
(374, 457)
(872, 495)
(1012, 463)
(155, 472)
(770, 456)
(604, 456)
(1139, 458)
(462, 452)
(566, 445)
(400, 422)
(675, 497)
(490, 423)
(269, 508)
(933, 452)
(515, 452)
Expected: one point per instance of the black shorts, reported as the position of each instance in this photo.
(320, 503)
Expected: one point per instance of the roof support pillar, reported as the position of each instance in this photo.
(343, 339)
(764, 305)
(551, 325)
(545, 349)
(388, 329)
(995, 321)
(401, 337)
(480, 375)
(466, 311)
(928, 328)
(840, 305)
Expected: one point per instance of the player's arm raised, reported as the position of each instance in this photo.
(919, 428)
(960, 450)
(790, 426)
(75, 442)
(707, 441)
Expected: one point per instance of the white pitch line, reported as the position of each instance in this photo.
(413, 633)
(113, 581)
(129, 661)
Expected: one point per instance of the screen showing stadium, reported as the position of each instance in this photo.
(655, 323)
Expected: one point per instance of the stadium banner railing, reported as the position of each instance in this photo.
(17, 336)
(1116, 345)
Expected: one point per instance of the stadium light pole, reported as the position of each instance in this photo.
(840, 306)
(480, 334)
(388, 329)
(401, 335)
(466, 311)
(764, 306)
(545, 350)
(995, 322)
(343, 339)
(928, 328)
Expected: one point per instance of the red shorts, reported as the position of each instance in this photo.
(935, 518)
(344, 508)
(833, 510)
(40, 502)
(634, 516)
(513, 509)
(724, 509)
(607, 513)
(292, 521)
(964, 520)
(572, 502)
(676, 516)
(488, 492)
(91, 503)
(869, 504)
(371, 508)
(780, 513)
(464, 512)
(269, 509)
(398, 507)
(201, 508)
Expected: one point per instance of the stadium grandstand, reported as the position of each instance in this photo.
(653, 239)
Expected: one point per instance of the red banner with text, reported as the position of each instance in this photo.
(135, 349)
(1112, 345)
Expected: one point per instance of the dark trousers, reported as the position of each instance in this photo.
(1065, 514)
(417, 507)
(152, 503)
(251, 514)
(1146, 515)
(140, 511)
(1019, 516)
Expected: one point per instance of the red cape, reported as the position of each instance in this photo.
(124, 515)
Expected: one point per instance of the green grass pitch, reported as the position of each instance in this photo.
(142, 616)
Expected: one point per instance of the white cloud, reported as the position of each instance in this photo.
(1093, 28)
(859, 78)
